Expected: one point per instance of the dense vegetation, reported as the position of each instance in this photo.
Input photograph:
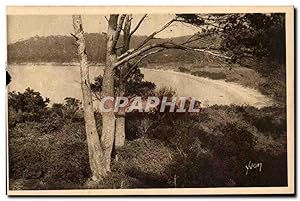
(48, 150)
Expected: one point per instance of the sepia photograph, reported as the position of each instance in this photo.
(150, 100)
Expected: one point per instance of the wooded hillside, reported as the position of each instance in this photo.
(62, 49)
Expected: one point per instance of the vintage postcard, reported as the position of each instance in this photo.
(150, 100)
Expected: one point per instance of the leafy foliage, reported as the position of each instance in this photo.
(135, 85)
(27, 106)
(69, 110)
(30, 106)
(252, 34)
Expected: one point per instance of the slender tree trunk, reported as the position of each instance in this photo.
(120, 131)
(120, 121)
(108, 118)
(94, 148)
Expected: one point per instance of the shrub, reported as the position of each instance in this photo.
(212, 149)
(27, 129)
(71, 108)
(27, 106)
(51, 161)
(30, 107)
(184, 70)
(50, 124)
(165, 91)
(275, 85)
(70, 166)
(211, 75)
(28, 157)
(139, 124)
(135, 84)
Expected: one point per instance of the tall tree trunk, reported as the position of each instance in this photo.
(94, 148)
(108, 118)
(120, 121)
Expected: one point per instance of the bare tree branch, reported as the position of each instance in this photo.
(190, 40)
(118, 31)
(126, 33)
(140, 59)
(76, 38)
(140, 49)
(132, 54)
(117, 48)
(204, 50)
(169, 45)
(151, 36)
(138, 25)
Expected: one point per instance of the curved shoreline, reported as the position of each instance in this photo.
(58, 82)
(240, 95)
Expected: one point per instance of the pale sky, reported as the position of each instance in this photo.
(22, 27)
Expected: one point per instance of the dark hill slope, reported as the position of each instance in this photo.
(62, 49)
